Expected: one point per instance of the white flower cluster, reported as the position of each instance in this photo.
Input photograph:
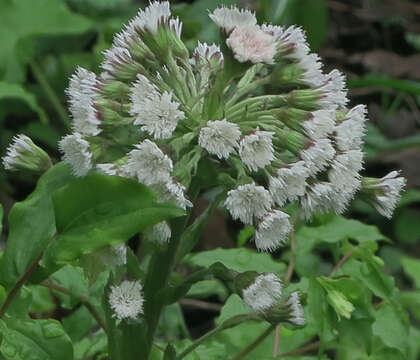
(265, 294)
(126, 300)
(156, 111)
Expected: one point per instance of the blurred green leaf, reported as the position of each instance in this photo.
(42, 301)
(412, 268)
(16, 91)
(389, 327)
(90, 346)
(206, 288)
(241, 259)
(407, 226)
(34, 339)
(21, 19)
(101, 210)
(312, 15)
(32, 225)
(408, 86)
(409, 197)
(244, 235)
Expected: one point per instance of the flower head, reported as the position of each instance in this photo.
(23, 154)
(207, 53)
(149, 164)
(248, 201)
(76, 152)
(158, 114)
(82, 91)
(220, 138)
(229, 18)
(173, 192)
(250, 43)
(384, 193)
(320, 124)
(150, 18)
(296, 315)
(272, 230)
(265, 291)
(159, 233)
(350, 131)
(126, 300)
(256, 149)
(318, 156)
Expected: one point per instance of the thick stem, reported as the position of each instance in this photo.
(83, 299)
(229, 323)
(55, 102)
(158, 273)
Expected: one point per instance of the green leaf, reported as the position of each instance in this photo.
(407, 226)
(170, 353)
(1, 218)
(91, 346)
(409, 197)
(240, 260)
(101, 210)
(21, 20)
(16, 91)
(244, 235)
(34, 339)
(206, 288)
(32, 225)
(412, 268)
(336, 298)
(408, 86)
(390, 328)
(336, 230)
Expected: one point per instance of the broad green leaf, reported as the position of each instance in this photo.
(23, 19)
(101, 210)
(34, 339)
(390, 328)
(412, 267)
(244, 235)
(79, 324)
(90, 346)
(336, 298)
(409, 197)
(411, 301)
(240, 260)
(407, 226)
(210, 350)
(42, 301)
(336, 230)
(32, 225)
(16, 91)
(206, 288)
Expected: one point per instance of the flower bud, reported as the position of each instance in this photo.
(288, 309)
(23, 154)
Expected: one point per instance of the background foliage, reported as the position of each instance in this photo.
(376, 43)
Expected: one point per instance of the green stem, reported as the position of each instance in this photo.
(227, 324)
(158, 273)
(247, 89)
(49, 91)
(255, 343)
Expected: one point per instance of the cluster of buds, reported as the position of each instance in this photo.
(260, 106)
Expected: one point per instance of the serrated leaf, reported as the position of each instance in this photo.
(32, 225)
(101, 210)
(240, 260)
(34, 339)
(18, 92)
(22, 19)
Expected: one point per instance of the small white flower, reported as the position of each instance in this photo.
(126, 300)
(248, 201)
(312, 73)
(256, 149)
(320, 124)
(220, 138)
(263, 293)
(343, 195)
(82, 91)
(333, 90)
(76, 152)
(318, 197)
(272, 230)
(206, 52)
(115, 57)
(174, 192)
(107, 168)
(296, 315)
(350, 131)
(150, 18)
(120, 252)
(159, 233)
(290, 183)
(318, 156)
(387, 193)
(149, 164)
(250, 43)
(23, 154)
(345, 168)
(229, 18)
(157, 113)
